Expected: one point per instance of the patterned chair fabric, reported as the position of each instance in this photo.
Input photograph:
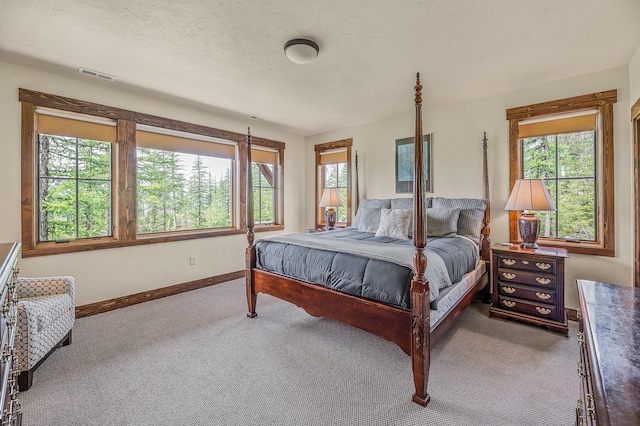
(46, 313)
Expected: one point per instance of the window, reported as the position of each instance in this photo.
(74, 177)
(333, 164)
(569, 144)
(184, 182)
(95, 176)
(266, 179)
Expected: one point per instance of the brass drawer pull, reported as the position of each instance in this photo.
(543, 296)
(581, 369)
(509, 303)
(543, 266)
(509, 262)
(591, 409)
(509, 290)
(543, 311)
(508, 275)
(543, 281)
(525, 262)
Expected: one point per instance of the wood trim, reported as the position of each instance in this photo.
(45, 249)
(90, 108)
(328, 146)
(635, 110)
(145, 296)
(125, 199)
(592, 100)
(28, 169)
(603, 101)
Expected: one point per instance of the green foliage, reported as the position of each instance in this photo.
(567, 162)
(173, 196)
(335, 176)
(74, 188)
(264, 203)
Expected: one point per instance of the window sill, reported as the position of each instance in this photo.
(591, 248)
(267, 228)
(45, 249)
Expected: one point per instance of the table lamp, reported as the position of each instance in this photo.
(330, 198)
(528, 195)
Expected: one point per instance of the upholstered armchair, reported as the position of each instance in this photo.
(46, 313)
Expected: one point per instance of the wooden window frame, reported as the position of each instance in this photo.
(605, 214)
(329, 146)
(635, 120)
(124, 176)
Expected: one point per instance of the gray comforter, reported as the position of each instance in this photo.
(359, 263)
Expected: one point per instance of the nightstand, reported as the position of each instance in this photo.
(528, 285)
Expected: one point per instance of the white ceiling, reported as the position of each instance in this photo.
(228, 55)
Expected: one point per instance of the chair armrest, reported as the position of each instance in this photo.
(31, 287)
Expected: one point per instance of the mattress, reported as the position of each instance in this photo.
(371, 277)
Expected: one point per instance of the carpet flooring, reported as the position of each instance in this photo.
(196, 359)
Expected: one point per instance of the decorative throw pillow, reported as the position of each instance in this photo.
(442, 222)
(394, 223)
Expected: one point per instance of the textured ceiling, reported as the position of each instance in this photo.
(228, 55)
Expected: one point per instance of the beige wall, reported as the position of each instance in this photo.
(457, 164)
(634, 77)
(105, 274)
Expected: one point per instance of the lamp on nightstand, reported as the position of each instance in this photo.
(330, 198)
(528, 195)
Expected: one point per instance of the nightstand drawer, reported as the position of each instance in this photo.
(533, 294)
(530, 308)
(505, 260)
(545, 281)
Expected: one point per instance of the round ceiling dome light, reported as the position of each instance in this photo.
(301, 50)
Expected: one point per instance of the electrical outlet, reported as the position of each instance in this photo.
(192, 260)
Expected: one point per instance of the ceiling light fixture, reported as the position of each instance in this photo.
(301, 50)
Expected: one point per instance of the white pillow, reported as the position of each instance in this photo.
(394, 223)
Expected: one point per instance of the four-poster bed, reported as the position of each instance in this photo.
(410, 326)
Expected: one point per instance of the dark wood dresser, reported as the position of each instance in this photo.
(528, 285)
(609, 339)
(11, 411)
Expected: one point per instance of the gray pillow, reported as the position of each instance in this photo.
(471, 214)
(442, 222)
(369, 204)
(367, 220)
(394, 223)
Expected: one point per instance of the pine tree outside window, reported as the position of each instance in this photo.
(266, 179)
(183, 182)
(74, 177)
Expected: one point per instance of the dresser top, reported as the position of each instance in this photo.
(611, 316)
(542, 251)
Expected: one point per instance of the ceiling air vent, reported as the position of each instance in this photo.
(96, 74)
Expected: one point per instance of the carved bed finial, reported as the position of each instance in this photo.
(418, 88)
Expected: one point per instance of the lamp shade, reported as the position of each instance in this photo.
(529, 194)
(301, 50)
(330, 198)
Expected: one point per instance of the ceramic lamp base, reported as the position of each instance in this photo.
(529, 227)
(331, 214)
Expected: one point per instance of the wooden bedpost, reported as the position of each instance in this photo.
(485, 243)
(250, 252)
(420, 306)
